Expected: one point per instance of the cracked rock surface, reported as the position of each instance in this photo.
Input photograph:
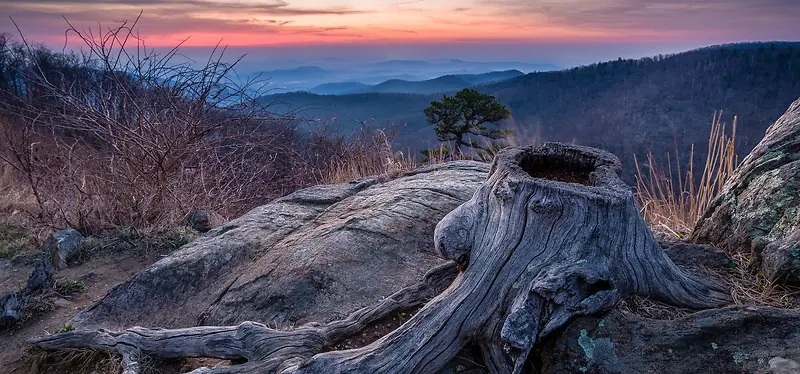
(315, 255)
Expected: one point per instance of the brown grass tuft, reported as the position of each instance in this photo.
(671, 200)
(73, 361)
(749, 286)
(368, 155)
(650, 308)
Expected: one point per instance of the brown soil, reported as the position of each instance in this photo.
(99, 274)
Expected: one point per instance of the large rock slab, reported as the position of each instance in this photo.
(315, 255)
(728, 340)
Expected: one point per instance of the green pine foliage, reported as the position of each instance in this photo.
(468, 112)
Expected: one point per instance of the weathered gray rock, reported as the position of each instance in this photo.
(689, 255)
(41, 277)
(781, 258)
(204, 220)
(315, 255)
(11, 306)
(728, 340)
(62, 246)
(760, 204)
(780, 365)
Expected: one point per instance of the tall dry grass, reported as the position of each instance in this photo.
(670, 197)
(672, 201)
(367, 154)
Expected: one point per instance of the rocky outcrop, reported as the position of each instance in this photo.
(322, 253)
(315, 255)
(728, 340)
(760, 204)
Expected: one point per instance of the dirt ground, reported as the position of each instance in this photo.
(100, 274)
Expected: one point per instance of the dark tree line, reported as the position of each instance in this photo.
(655, 104)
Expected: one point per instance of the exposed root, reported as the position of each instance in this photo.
(252, 342)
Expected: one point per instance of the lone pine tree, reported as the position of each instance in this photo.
(467, 112)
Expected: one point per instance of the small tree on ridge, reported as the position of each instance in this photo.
(468, 112)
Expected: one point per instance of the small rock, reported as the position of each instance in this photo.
(64, 303)
(41, 277)
(780, 259)
(10, 309)
(62, 246)
(694, 255)
(780, 365)
(204, 220)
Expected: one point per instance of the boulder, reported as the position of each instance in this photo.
(62, 246)
(204, 220)
(760, 203)
(728, 340)
(315, 255)
(13, 305)
(41, 277)
(781, 259)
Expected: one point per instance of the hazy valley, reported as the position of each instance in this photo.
(629, 107)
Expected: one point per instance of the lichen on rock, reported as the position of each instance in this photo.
(757, 211)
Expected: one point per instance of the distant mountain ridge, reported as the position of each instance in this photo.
(444, 83)
(626, 106)
(308, 77)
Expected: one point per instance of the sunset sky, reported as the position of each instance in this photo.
(570, 26)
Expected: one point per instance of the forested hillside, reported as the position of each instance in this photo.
(626, 106)
(631, 106)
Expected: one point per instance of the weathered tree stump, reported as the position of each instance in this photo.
(758, 210)
(552, 234)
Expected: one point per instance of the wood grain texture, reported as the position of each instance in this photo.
(552, 234)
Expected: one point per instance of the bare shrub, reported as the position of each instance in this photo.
(122, 136)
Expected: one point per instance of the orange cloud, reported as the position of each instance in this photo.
(295, 22)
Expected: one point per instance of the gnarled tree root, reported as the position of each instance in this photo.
(552, 234)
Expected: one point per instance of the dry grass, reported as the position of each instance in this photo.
(73, 361)
(68, 361)
(649, 308)
(15, 198)
(433, 156)
(749, 286)
(368, 155)
(672, 202)
(671, 199)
